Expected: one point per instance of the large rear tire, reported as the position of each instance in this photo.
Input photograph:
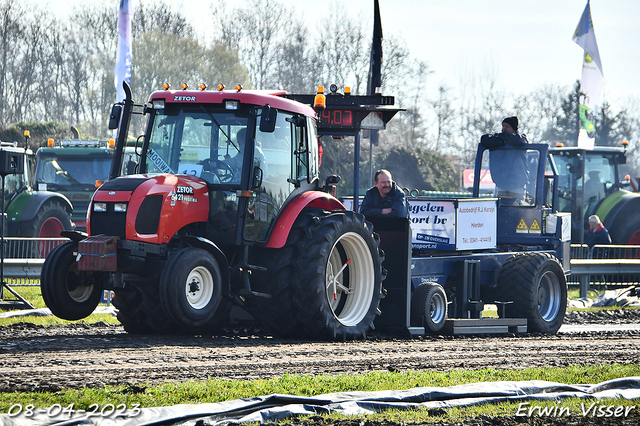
(338, 281)
(429, 307)
(536, 284)
(50, 220)
(139, 310)
(191, 287)
(69, 293)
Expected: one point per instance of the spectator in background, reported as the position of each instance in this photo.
(598, 234)
(384, 198)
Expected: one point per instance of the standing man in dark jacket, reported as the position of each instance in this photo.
(384, 198)
(598, 234)
(509, 168)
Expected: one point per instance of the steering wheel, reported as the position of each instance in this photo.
(222, 170)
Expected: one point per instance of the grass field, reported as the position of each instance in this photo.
(218, 390)
(223, 390)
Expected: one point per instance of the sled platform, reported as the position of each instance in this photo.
(485, 326)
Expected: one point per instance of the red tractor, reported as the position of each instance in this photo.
(225, 209)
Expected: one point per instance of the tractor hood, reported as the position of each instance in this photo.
(148, 208)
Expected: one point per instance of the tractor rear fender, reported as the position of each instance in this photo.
(218, 255)
(31, 203)
(292, 210)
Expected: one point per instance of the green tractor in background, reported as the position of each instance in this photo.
(590, 184)
(74, 168)
(30, 213)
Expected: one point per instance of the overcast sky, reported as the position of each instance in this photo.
(527, 43)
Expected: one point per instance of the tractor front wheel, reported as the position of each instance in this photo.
(69, 293)
(191, 287)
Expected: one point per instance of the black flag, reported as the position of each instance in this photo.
(374, 80)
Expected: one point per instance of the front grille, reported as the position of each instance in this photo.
(148, 217)
(109, 223)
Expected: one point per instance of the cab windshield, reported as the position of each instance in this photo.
(207, 143)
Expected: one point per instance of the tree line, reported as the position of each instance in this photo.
(57, 72)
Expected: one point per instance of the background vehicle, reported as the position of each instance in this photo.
(590, 184)
(72, 167)
(32, 213)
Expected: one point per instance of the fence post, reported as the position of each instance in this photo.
(584, 286)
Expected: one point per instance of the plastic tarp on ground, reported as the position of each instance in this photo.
(278, 407)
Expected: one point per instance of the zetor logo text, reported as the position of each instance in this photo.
(184, 98)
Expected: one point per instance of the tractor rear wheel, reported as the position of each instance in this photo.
(69, 293)
(429, 307)
(536, 284)
(338, 281)
(191, 287)
(50, 220)
(139, 310)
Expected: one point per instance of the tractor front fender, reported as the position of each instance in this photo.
(291, 212)
(217, 254)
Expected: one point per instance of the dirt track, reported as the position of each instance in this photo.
(75, 356)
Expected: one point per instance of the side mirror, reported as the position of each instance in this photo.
(114, 118)
(257, 177)
(268, 119)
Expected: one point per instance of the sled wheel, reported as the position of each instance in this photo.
(69, 293)
(536, 284)
(429, 307)
(191, 287)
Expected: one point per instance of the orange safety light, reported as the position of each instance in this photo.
(203, 87)
(559, 144)
(221, 87)
(625, 143)
(238, 87)
(166, 86)
(112, 143)
(320, 101)
(184, 86)
(347, 91)
(27, 133)
(50, 143)
(627, 177)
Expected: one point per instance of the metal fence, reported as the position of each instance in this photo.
(623, 257)
(29, 248)
(27, 272)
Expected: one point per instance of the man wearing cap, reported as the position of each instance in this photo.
(509, 168)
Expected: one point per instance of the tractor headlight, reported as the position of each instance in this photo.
(120, 207)
(99, 207)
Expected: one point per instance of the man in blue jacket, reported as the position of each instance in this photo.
(384, 198)
(509, 168)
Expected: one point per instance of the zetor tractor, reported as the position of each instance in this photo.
(225, 210)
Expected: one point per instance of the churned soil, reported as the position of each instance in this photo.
(38, 358)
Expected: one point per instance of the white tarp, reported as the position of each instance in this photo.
(277, 407)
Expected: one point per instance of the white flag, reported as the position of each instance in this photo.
(123, 55)
(591, 82)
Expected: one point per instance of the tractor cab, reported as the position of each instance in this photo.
(586, 179)
(250, 151)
